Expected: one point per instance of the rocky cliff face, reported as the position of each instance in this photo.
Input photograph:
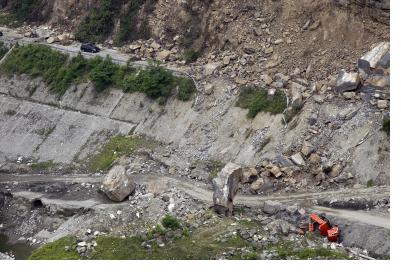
(297, 46)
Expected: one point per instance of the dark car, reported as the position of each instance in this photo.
(90, 47)
(1, 33)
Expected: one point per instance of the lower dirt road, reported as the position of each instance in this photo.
(202, 192)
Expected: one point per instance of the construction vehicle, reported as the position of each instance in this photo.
(322, 224)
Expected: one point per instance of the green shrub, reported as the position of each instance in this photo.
(250, 256)
(386, 125)
(191, 55)
(3, 50)
(102, 75)
(74, 72)
(43, 166)
(256, 100)
(98, 24)
(170, 222)
(186, 88)
(36, 61)
(60, 72)
(19, 11)
(155, 81)
(126, 30)
(22, 9)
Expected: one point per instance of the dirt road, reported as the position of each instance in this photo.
(202, 192)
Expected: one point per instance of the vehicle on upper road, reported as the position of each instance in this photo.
(90, 47)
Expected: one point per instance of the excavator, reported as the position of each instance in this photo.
(322, 224)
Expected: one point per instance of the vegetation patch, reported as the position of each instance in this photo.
(386, 125)
(191, 55)
(131, 25)
(36, 61)
(3, 50)
(98, 24)
(116, 147)
(155, 82)
(57, 250)
(170, 222)
(10, 112)
(287, 250)
(20, 11)
(45, 131)
(8, 20)
(60, 72)
(186, 88)
(256, 100)
(43, 166)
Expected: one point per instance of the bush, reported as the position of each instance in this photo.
(155, 81)
(126, 30)
(102, 75)
(170, 222)
(98, 24)
(186, 88)
(256, 100)
(191, 55)
(22, 9)
(74, 72)
(36, 61)
(3, 50)
(386, 125)
(60, 72)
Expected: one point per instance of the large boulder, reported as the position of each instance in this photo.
(273, 207)
(378, 57)
(225, 188)
(116, 184)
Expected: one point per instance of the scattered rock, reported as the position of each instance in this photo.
(209, 89)
(314, 158)
(336, 170)
(155, 45)
(307, 148)
(210, 68)
(226, 60)
(276, 171)
(349, 94)
(257, 185)
(273, 207)
(266, 79)
(164, 55)
(249, 175)
(52, 40)
(347, 81)
(382, 104)
(297, 159)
